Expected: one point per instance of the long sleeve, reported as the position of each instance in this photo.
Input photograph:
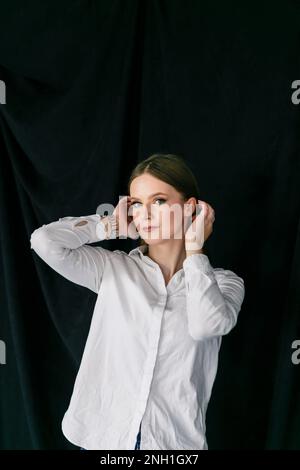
(214, 297)
(62, 245)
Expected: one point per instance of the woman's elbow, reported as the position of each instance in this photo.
(39, 241)
(205, 330)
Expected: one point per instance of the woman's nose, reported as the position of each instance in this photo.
(145, 212)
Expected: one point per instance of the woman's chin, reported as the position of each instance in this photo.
(157, 241)
(152, 241)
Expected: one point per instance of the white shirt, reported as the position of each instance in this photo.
(151, 354)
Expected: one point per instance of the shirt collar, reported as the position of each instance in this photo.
(139, 251)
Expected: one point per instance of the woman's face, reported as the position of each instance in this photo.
(159, 205)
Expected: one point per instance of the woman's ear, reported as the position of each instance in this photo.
(190, 206)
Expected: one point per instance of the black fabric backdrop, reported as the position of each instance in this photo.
(93, 87)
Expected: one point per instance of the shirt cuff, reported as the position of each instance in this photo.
(197, 262)
(85, 227)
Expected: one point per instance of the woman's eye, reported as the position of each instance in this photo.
(158, 199)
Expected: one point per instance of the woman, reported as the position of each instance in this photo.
(151, 355)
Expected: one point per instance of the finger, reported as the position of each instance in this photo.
(203, 204)
(122, 201)
(211, 214)
(130, 211)
(208, 209)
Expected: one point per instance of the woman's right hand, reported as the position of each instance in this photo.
(125, 224)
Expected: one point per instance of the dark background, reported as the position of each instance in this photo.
(92, 88)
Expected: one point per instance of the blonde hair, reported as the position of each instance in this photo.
(171, 169)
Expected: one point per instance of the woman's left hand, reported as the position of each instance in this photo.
(200, 228)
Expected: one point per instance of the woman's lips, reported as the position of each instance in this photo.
(149, 228)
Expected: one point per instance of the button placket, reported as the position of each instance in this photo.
(158, 312)
(148, 372)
